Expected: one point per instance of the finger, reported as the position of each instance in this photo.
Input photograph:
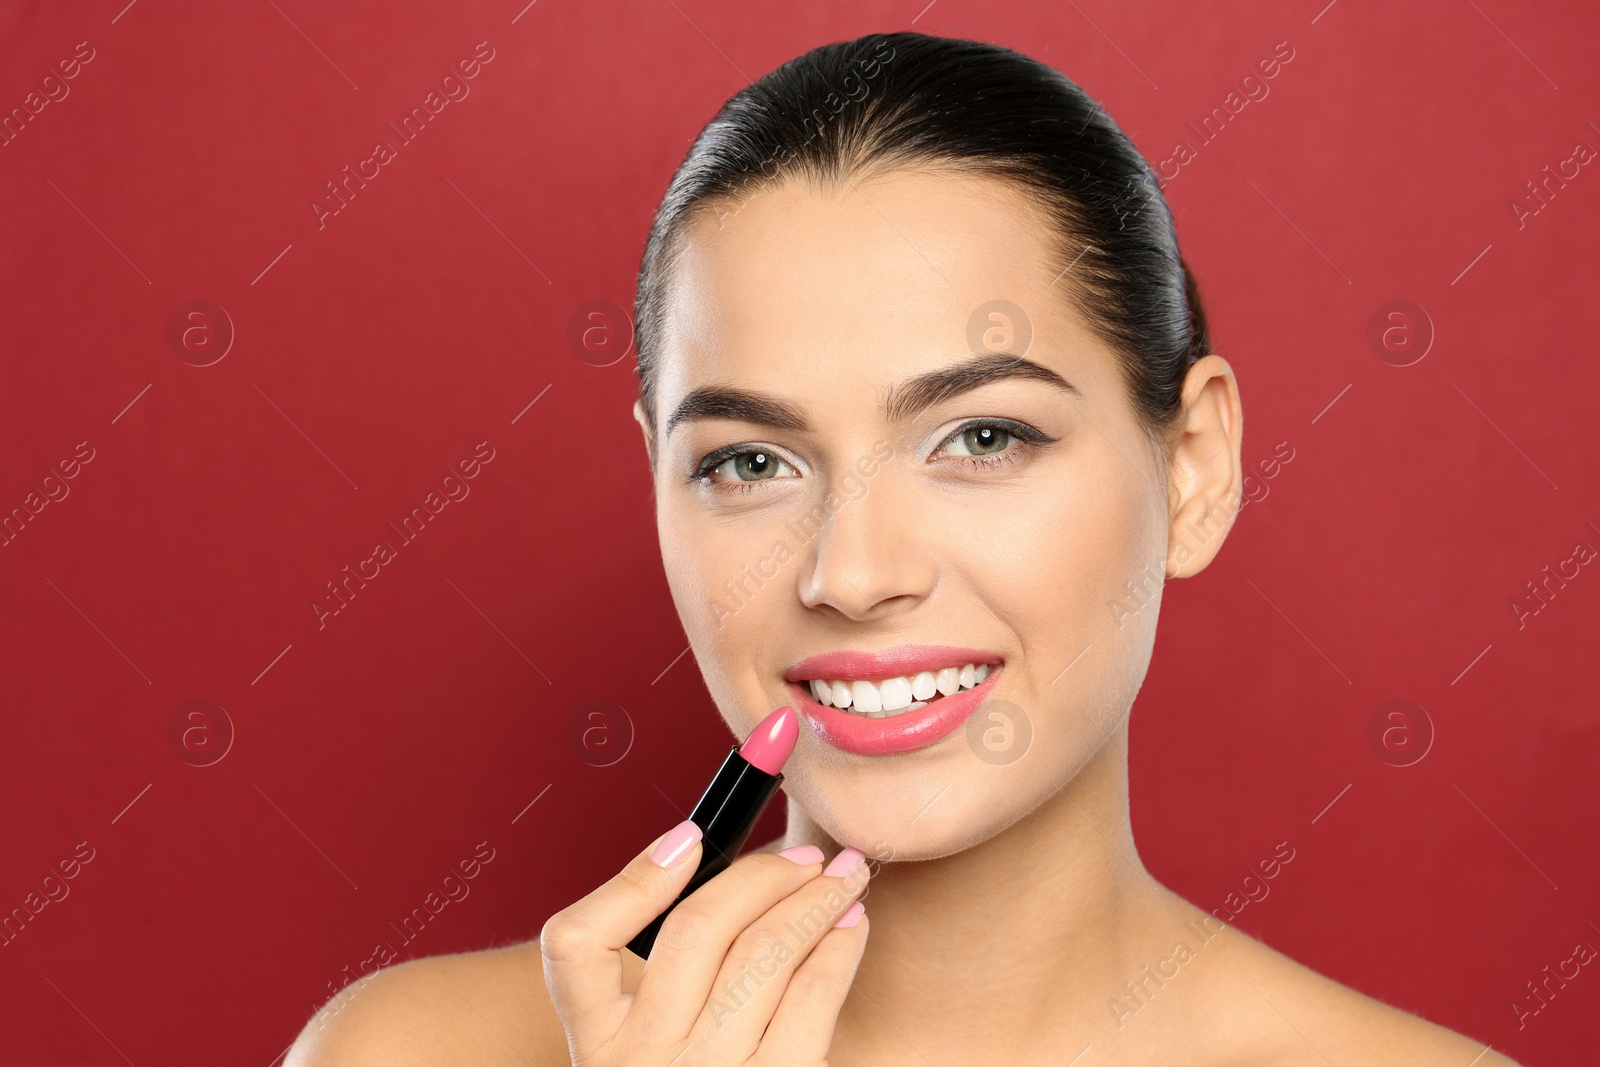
(763, 958)
(694, 939)
(802, 1028)
(582, 944)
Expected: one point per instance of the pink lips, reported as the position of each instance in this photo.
(890, 663)
(905, 731)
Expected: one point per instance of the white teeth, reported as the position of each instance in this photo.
(896, 693)
(865, 697)
(892, 696)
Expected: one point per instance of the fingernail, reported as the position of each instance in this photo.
(675, 844)
(845, 863)
(803, 854)
(851, 916)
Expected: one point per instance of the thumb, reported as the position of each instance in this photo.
(582, 943)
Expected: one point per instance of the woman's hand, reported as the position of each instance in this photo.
(751, 968)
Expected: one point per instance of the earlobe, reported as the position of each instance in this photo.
(1206, 474)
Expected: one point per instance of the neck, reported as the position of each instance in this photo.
(1032, 931)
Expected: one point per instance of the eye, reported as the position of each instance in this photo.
(982, 440)
(741, 467)
(983, 443)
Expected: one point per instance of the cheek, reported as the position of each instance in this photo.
(1074, 560)
(727, 579)
(1072, 572)
(1121, 573)
(691, 555)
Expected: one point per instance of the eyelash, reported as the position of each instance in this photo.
(1021, 431)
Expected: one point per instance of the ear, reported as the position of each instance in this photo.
(1206, 481)
(643, 420)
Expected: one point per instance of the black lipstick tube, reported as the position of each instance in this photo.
(726, 814)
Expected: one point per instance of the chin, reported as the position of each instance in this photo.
(911, 815)
(931, 804)
(957, 793)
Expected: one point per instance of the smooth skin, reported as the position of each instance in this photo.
(1012, 906)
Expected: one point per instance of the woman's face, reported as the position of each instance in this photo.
(843, 509)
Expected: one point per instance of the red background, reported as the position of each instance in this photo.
(371, 755)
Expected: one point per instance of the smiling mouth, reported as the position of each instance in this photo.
(888, 697)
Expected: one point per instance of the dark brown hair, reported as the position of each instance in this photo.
(908, 100)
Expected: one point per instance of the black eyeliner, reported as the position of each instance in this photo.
(1021, 430)
(722, 455)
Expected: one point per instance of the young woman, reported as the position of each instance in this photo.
(924, 382)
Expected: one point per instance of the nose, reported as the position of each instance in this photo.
(867, 559)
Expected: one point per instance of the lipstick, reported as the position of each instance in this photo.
(731, 804)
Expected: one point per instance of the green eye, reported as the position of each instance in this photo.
(752, 466)
(989, 443)
(983, 440)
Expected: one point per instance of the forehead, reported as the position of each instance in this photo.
(876, 281)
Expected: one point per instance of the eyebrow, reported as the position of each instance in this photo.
(900, 402)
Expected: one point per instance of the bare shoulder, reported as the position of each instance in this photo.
(1307, 1016)
(487, 1007)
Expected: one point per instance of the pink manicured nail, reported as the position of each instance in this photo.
(851, 916)
(675, 844)
(845, 863)
(803, 854)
